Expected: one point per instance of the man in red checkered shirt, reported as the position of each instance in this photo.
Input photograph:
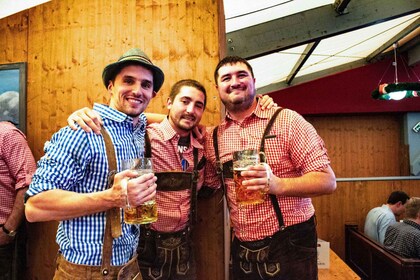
(17, 165)
(269, 244)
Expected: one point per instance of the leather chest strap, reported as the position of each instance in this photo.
(113, 223)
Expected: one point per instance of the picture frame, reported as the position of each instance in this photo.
(13, 94)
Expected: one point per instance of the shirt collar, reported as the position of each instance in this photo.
(412, 223)
(113, 114)
(266, 114)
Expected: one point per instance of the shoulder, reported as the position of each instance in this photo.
(68, 139)
(7, 129)
(155, 131)
(11, 137)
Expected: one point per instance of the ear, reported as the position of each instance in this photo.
(154, 94)
(110, 86)
(169, 103)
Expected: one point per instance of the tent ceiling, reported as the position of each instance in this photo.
(290, 42)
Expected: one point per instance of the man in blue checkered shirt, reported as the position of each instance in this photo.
(71, 182)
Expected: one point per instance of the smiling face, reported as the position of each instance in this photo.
(236, 87)
(131, 90)
(186, 109)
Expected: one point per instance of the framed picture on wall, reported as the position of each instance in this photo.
(13, 94)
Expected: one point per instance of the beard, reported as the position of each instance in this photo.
(183, 123)
(238, 105)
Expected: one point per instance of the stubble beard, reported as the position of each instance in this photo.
(239, 105)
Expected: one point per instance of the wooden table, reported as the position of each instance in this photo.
(338, 269)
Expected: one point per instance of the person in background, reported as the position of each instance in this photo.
(72, 183)
(17, 166)
(379, 218)
(404, 238)
(268, 243)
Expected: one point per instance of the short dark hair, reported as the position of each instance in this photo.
(412, 208)
(176, 88)
(397, 196)
(231, 60)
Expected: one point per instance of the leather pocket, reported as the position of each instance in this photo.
(130, 271)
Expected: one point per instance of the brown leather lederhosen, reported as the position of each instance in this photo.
(154, 246)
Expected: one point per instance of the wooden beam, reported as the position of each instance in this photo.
(310, 25)
(301, 61)
(394, 39)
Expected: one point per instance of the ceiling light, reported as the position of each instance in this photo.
(396, 91)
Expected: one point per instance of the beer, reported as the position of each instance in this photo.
(244, 196)
(241, 161)
(142, 214)
(147, 212)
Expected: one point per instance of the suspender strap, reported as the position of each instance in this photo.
(113, 223)
(193, 207)
(219, 166)
(147, 146)
(266, 131)
(263, 158)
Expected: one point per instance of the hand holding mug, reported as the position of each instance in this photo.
(141, 207)
(243, 162)
(260, 176)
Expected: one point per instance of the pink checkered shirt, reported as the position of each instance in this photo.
(173, 206)
(294, 149)
(17, 165)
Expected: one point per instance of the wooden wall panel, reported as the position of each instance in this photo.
(364, 145)
(72, 41)
(14, 36)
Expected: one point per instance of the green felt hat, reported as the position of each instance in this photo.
(136, 56)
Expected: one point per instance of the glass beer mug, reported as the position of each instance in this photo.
(241, 161)
(147, 212)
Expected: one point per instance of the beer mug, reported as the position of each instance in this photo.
(241, 161)
(147, 212)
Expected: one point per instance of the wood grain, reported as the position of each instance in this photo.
(338, 270)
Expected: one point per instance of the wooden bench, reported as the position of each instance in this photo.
(370, 260)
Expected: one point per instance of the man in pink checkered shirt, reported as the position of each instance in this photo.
(269, 243)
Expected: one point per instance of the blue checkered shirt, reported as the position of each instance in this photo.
(76, 161)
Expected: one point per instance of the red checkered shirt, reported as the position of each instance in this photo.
(173, 206)
(17, 165)
(294, 149)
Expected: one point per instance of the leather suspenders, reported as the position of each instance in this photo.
(225, 170)
(113, 223)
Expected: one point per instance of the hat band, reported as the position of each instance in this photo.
(134, 57)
